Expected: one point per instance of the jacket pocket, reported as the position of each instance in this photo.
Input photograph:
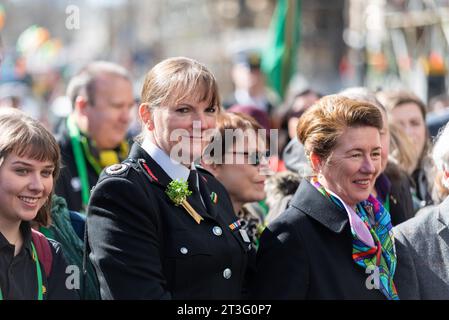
(185, 244)
(188, 263)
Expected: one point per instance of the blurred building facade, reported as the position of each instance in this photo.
(398, 44)
(343, 42)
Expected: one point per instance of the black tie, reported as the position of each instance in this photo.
(195, 198)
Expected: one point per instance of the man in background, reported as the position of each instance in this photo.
(249, 83)
(94, 135)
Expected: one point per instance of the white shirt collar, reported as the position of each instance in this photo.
(174, 169)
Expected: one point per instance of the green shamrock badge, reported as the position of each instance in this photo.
(178, 191)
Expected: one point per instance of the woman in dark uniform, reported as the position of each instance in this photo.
(143, 245)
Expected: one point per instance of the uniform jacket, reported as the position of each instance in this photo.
(144, 247)
(422, 245)
(306, 253)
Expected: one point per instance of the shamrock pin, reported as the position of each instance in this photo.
(178, 191)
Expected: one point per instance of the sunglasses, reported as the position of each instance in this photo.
(255, 158)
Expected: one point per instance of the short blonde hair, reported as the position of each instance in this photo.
(174, 79)
(24, 136)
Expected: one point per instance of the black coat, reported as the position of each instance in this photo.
(306, 253)
(401, 203)
(144, 247)
(68, 184)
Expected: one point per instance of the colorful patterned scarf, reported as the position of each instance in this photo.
(382, 257)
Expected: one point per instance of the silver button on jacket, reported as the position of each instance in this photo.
(217, 231)
(227, 273)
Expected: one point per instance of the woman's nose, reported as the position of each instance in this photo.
(36, 183)
(368, 165)
(201, 121)
(200, 124)
(409, 130)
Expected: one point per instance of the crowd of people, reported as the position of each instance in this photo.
(348, 201)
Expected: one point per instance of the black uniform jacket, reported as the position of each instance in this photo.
(306, 253)
(144, 247)
(68, 184)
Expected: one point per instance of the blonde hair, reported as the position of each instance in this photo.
(174, 79)
(402, 151)
(24, 136)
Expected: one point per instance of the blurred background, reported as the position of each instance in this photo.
(339, 43)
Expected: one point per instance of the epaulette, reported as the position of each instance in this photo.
(119, 169)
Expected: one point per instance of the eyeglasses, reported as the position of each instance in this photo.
(255, 158)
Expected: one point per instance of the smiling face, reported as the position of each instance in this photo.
(182, 129)
(25, 185)
(243, 177)
(353, 166)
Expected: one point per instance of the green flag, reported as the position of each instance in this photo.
(279, 57)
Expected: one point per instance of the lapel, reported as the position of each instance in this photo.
(443, 218)
(205, 194)
(195, 198)
(159, 177)
(310, 201)
(224, 218)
